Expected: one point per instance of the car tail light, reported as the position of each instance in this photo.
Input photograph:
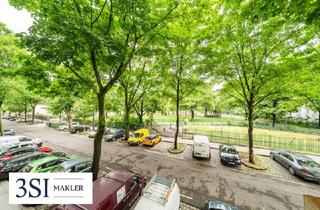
(7, 156)
(304, 170)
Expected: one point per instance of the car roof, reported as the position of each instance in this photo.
(107, 185)
(229, 146)
(220, 205)
(36, 163)
(299, 156)
(12, 137)
(70, 163)
(200, 138)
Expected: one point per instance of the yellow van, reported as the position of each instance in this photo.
(138, 136)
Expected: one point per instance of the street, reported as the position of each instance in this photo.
(198, 180)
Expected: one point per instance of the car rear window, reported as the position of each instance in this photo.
(308, 163)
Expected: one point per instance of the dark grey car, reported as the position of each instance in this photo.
(119, 133)
(229, 155)
(82, 164)
(298, 164)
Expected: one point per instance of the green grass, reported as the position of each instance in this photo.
(233, 120)
(262, 138)
(232, 129)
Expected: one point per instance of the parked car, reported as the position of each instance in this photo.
(151, 140)
(93, 133)
(117, 190)
(11, 118)
(46, 164)
(229, 155)
(201, 147)
(14, 152)
(218, 205)
(138, 136)
(81, 164)
(9, 132)
(159, 194)
(114, 135)
(298, 164)
(79, 128)
(18, 162)
(66, 127)
(7, 140)
(16, 146)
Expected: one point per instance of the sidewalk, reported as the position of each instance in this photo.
(257, 151)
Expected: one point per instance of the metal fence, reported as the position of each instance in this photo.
(308, 145)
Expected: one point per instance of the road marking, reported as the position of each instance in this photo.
(185, 196)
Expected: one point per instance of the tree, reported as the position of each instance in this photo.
(8, 61)
(95, 40)
(135, 83)
(248, 51)
(182, 72)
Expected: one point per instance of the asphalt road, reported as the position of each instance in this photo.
(197, 180)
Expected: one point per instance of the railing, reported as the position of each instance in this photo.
(299, 144)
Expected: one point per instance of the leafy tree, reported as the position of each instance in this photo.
(182, 72)
(95, 40)
(248, 52)
(8, 61)
(135, 83)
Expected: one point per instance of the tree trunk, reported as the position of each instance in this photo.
(126, 122)
(25, 112)
(177, 117)
(1, 127)
(250, 130)
(33, 111)
(205, 112)
(93, 115)
(98, 138)
(126, 114)
(69, 117)
(60, 117)
(192, 115)
(319, 119)
(274, 117)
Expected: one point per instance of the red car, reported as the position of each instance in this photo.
(117, 190)
(45, 149)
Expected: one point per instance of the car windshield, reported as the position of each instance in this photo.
(229, 150)
(308, 163)
(27, 168)
(138, 135)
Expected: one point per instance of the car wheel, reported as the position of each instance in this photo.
(291, 170)
(113, 139)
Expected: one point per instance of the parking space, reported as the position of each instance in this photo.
(274, 168)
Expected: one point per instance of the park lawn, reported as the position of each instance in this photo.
(256, 131)
(262, 137)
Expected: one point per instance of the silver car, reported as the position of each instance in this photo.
(298, 164)
(81, 164)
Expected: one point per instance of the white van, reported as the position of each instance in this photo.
(8, 140)
(160, 194)
(201, 147)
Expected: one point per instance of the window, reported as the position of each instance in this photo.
(24, 139)
(83, 166)
(133, 182)
(287, 156)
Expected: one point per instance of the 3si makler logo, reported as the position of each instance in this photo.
(50, 188)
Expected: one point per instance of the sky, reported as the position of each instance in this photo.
(16, 20)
